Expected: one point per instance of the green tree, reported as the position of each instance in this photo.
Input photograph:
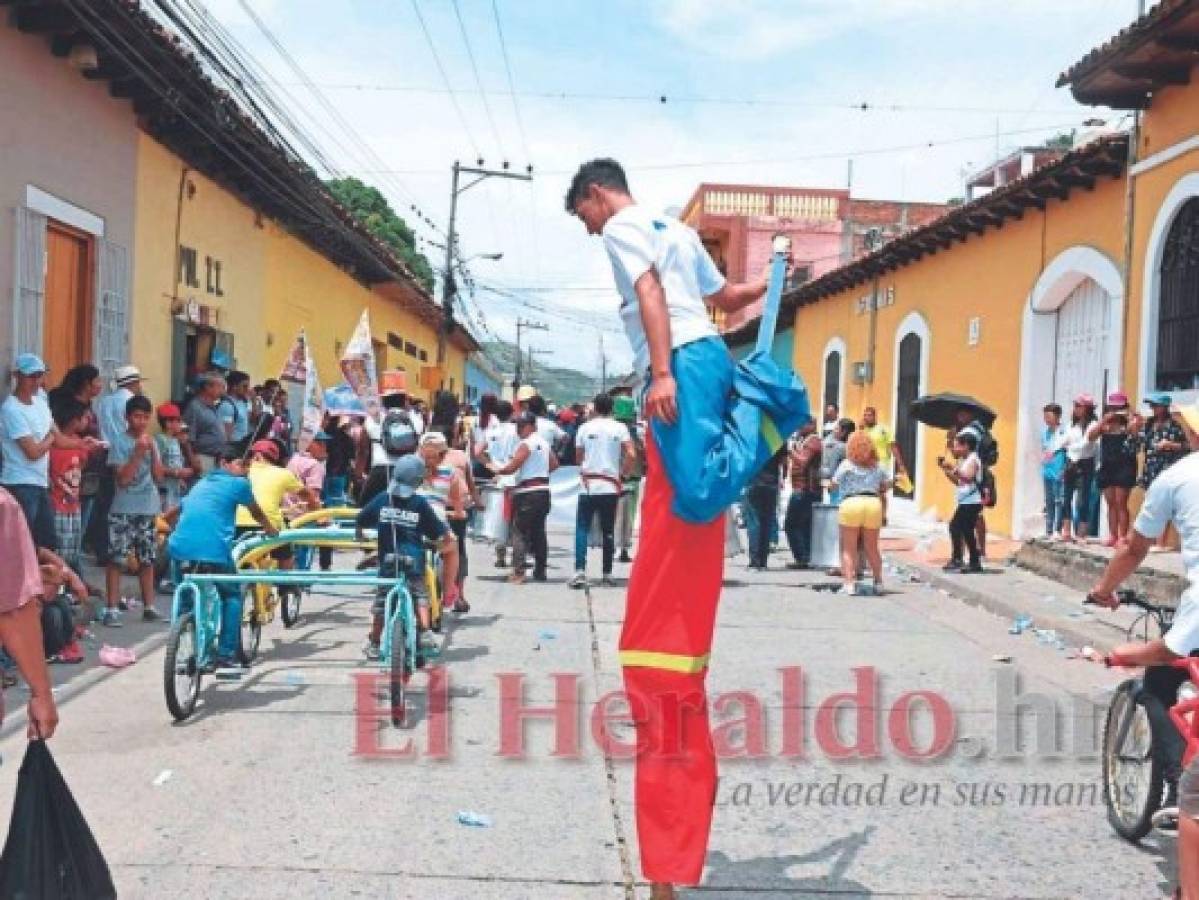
(372, 209)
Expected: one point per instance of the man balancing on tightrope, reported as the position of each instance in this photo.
(712, 425)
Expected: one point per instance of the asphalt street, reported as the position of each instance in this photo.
(284, 784)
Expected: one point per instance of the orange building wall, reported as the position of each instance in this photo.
(989, 277)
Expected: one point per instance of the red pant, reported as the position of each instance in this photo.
(664, 646)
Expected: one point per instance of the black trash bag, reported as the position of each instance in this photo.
(50, 853)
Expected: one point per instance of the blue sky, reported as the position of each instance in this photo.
(993, 64)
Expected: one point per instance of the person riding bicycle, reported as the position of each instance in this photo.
(404, 520)
(272, 484)
(203, 538)
(1173, 497)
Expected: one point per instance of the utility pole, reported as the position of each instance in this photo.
(603, 366)
(447, 286)
(523, 324)
(534, 352)
(874, 242)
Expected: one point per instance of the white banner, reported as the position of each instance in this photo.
(358, 366)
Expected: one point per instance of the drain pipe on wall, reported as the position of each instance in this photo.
(1130, 203)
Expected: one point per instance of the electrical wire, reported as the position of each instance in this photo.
(445, 78)
(363, 148)
(520, 125)
(666, 99)
(474, 67)
(811, 157)
(306, 205)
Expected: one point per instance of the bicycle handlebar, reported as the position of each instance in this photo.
(1130, 598)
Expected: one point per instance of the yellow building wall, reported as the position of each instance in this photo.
(989, 277)
(1173, 117)
(214, 223)
(273, 284)
(304, 290)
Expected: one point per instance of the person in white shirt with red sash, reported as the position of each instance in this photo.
(603, 452)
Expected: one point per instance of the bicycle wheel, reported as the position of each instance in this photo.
(289, 605)
(1145, 628)
(250, 635)
(181, 669)
(398, 674)
(1133, 768)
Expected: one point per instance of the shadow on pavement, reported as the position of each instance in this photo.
(764, 875)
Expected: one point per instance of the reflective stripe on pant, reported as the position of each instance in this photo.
(664, 646)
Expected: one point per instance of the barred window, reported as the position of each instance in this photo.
(1178, 311)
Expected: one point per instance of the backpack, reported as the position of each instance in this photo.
(397, 434)
(988, 489)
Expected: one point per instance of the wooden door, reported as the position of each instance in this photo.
(67, 335)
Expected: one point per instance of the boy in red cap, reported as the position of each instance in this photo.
(178, 463)
(272, 484)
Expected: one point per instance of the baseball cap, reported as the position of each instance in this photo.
(267, 448)
(433, 439)
(321, 436)
(1158, 398)
(407, 475)
(29, 364)
(1190, 415)
(1117, 400)
(127, 375)
(1084, 400)
(168, 411)
(526, 392)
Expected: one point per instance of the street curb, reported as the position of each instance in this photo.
(1067, 630)
(15, 721)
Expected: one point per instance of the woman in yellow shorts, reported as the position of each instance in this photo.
(862, 485)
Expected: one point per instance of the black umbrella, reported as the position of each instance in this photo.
(940, 410)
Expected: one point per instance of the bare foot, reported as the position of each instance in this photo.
(661, 890)
(516, 579)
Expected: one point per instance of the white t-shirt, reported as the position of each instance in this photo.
(637, 241)
(1077, 445)
(536, 464)
(1174, 497)
(501, 439)
(374, 431)
(968, 492)
(601, 440)
(549, 431)
(19, 420)
(110, 413)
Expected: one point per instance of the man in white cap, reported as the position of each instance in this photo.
(27, 432)
(110, 409)
(110, 413)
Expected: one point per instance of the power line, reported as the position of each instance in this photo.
(520, 125)
(470, 54)
(362, 147)
(812, 157)
(663, 99)
(445, 79)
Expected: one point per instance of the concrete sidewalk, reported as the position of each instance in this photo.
(917, 550)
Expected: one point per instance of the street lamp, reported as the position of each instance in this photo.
(494, 257)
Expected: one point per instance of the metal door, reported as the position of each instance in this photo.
(1080, 365)
(907, 389)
